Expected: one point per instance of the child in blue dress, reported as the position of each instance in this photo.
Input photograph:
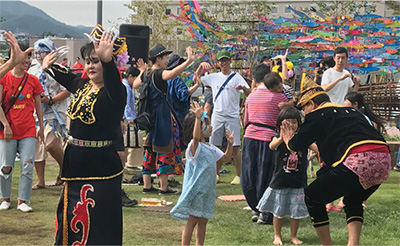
(285, 194)
(196, 203)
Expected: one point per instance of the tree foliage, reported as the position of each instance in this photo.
(238, 16)
(395, 6)
(48, 34)
(339, 7)
(153, 14)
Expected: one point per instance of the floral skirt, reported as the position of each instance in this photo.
(372, 168)
(164, 163)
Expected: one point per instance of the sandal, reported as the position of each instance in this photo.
(223, 171)
(37, 187)
(59, 182)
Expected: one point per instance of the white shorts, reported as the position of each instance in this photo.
(222, 123)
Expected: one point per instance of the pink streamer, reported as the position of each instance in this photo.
(196, 6)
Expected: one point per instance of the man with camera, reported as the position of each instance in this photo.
(323, 65)
(337, 81)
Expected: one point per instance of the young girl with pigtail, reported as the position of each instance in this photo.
(196, 203)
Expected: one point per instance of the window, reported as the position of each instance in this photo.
(287, 10)
(167, 11)
(179, 31)
(150, 11)
(237, 9)
(274, 10)
(178, 11)
(250, 10)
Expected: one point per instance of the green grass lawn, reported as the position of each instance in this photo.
(231, 224)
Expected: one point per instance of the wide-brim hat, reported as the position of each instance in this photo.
(158, 50)
(174, 60)
(309, 89)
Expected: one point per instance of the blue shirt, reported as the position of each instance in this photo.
(130, 109)
(178, 96)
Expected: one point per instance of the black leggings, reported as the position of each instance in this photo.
(332, 184)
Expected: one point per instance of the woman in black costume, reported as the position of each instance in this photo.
(90, 211)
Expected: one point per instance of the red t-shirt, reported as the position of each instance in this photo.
(20, 115)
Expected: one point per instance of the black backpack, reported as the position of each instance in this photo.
(145, 115)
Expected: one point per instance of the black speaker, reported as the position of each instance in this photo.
(137, 39)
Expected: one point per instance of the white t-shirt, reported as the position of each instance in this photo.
(227, 102)
(339, 91)
(190, 157)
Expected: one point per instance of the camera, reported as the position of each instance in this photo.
(321, 70)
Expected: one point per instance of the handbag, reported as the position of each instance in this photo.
(14, 96)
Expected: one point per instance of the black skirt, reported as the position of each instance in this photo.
(90, 209)
(90, 212)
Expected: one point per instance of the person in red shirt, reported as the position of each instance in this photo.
(64, 62)
(20, 95)
(77, 67)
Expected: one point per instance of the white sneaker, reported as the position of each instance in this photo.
(236, 181)
(24, 208)
(5, 205)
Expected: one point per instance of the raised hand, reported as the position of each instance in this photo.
(142, 66)
(48, 60)
(190, 54)
(196, 110)
(203, 67)
(17, 55)
(229, 136)
(282, 57)
(287, 131)
(104, 48)
(356, 80)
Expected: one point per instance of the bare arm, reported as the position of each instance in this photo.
(62, 95)
(170, 74)
(207, 108)
(197, 81)
(274, 144)
(329, 86)
(282, 105)
(7, 129)
(198, 112)
(39, 113)
(5, 68)
(203, 67)
(17, 55)
(142, 66)
(314, 147)
(357, 82)
(246, 90)
(285, 75)
(229, 149)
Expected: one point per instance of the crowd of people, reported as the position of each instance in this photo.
(185, 137)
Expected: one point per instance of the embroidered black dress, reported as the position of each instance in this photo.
(90, 210)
